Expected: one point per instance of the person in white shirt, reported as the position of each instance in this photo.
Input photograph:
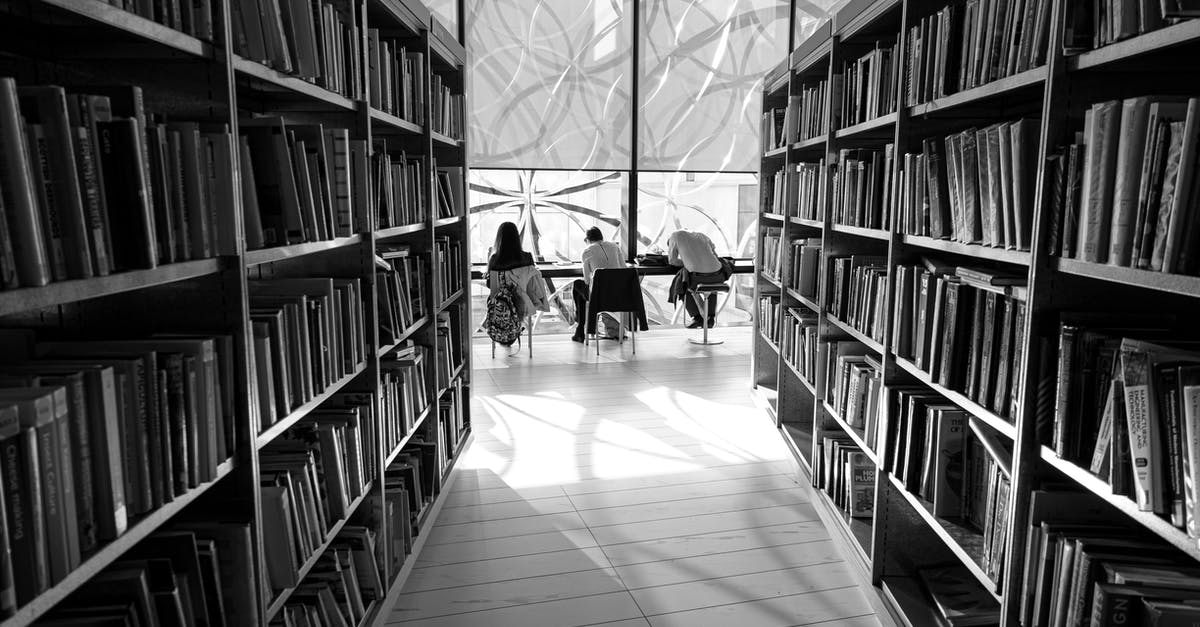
(598, 254)
(697, 255)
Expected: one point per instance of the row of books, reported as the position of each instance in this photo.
(299, 181)
(403, 393)
(847, 475)
(806, 115)
(449, 277)
(1125, 192)
(771, 262)
(1097, 24)
(93, 184)
(190, 574)
(805, 265)
(971, 44)
(1126, 408)
(448, 356)
(452, 417)
(308, 334)
(342, 586)
(768, 317)
(862, 188)
(964, 327)
(446, 110)
(401, 277)
(192, 18)
(775, 195)
(975, 186)
(810, 191)
(448, 195)
(952, 461)
(1085, 566)
(773, 129)
(397, 192)
(100, 433)
(317, 41)
(396, 78)
(854, 379)
(858, 293)
(799, 341)
(869, 84)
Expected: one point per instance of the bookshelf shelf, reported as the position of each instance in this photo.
(1148, 520)
(445, 141)
(1018, 257)
(413, 17)
(965, 542)
(855, 434)
(396, 231)
(63, 292)
(1002, 426)
(816, 224)
(113, 551)
(128, 23)
(282, 598)
(859, 231)
(269, 79)
(1148, 279)
(416, 326)
(1185, 32)
(769, 279)
(776, 153)
(450, 301)
(858, 529)
(282, 253)
(804, 300)
(451, 221)
(799, 442)
(389, 122)
(905, 594)
(855, 333)
(975, 95)
(770, 343)
(796, 373)
(813, 143)
(399, 448)
(870, 128)
(298, 414)
(772, 217)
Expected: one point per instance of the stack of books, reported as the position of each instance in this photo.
(1125, 192)
(858, 289)
(343, 584)
(396, 78)
(296, 510)
(316, 41)
(964, 326)
(95, 184)
(402, 393)
(973, 187)
(298, 182)
(447, 110)
(805, 266)
(449, 279)
(309, 333)
(768, 317)
(352, 418)
(811, 109)
(799, 341)
(776, 194)
(970, 44)
(400, 276)
(869, 85)
(809, 191)
(397, 188)
(847, 474)
(862, 189)
(855, 382)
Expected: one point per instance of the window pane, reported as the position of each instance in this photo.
(446, 12)
(552, 208)
(721, 205)
(550, 83)
(702, 65)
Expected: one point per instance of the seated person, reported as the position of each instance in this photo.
(598, 254)
(697, 254)
(509, 262)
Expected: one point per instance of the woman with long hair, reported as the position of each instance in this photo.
(509, 264)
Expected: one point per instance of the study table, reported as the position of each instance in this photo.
(575, 270)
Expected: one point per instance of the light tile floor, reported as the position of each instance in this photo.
(627, 490)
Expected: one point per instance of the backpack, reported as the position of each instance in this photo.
(503, 321)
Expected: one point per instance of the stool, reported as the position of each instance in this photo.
(701, 293)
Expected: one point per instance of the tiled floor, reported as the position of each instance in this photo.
(626, 491)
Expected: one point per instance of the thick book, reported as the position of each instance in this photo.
(131, 221)
(1101, 137)
(1131, 149)
(24, 226)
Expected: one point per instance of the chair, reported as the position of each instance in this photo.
(701, 293)
(614, 290)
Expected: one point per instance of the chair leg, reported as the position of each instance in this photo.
(493, 350)
(703, 305)
(531, 341)
(586, 312)
(596, 321)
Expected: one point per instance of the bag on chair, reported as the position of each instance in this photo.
(503, 321)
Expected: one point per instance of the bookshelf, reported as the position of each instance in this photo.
(905, 533)
(224, 294)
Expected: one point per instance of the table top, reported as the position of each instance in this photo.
(560, 270)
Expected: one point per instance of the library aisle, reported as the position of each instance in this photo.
(626, 490)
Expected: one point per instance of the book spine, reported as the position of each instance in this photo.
(17, 188)
(26, 523)
(1189, 383)
(108, 470)
(89, 180)
(43, 180)
(1144, 446)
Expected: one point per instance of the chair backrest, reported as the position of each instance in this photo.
(616, 289)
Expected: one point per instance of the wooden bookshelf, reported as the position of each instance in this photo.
(775, 153)
(855, 434)
(1047, 92)
(186, 78)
